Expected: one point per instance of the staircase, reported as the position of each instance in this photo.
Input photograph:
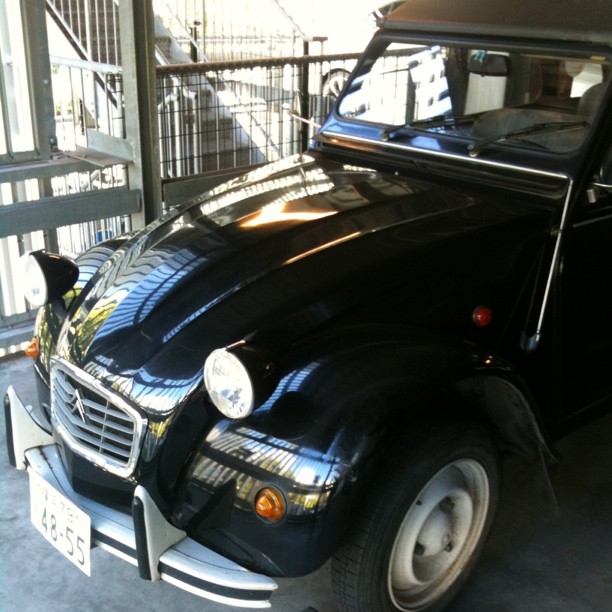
(91, 28)
(208, 137)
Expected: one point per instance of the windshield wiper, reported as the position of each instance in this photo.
(537, 128)
(430, 122)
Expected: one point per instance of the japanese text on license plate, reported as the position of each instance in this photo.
(62, 523)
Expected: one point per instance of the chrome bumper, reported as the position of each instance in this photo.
(146, 539)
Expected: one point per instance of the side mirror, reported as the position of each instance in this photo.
(47, 277)
(489, 64)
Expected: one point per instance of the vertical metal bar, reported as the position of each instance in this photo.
(202, 41)
(99, 57)
(107, 105)
(281, 114)
(218, 82)
(6, 125)
(193, 47)
(83, 105)
(70, 21)
(116, 38)
(178, 132)
(195, 149)
(105, 18)
(137, 37)
(36, 45)
(305, 99)
(75, 109)
(235, 126)
(79, 29)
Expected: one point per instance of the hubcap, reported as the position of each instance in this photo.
(438, 535)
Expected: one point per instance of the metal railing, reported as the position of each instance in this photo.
(220, 115)
(217, 30)
(87, 96)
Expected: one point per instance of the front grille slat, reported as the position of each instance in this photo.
(109, 412)
(94, 421)
(77, 426)
(93, 442)
(111, 424)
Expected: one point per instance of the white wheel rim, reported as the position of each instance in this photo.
(438, 535)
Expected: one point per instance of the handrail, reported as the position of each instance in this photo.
(266, 62)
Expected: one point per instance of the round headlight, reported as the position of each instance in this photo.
(229, 384)
(35, 284)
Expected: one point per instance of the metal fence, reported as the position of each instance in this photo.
(219, 115)
(217, 30)
(88, 105)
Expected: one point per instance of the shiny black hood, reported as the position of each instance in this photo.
(268, 256)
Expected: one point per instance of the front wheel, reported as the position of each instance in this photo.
(423, 522)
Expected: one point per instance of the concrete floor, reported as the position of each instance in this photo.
(535, 561)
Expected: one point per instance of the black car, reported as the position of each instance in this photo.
(327, 357)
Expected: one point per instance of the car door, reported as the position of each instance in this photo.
(586, 305)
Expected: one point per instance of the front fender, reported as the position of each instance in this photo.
(51, 317)
(320, 434)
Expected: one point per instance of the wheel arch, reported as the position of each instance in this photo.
(342, 400)
(370, 381)
(510, 410)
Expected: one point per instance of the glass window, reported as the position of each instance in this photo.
(522, 98)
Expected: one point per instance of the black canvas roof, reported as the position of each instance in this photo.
(561, 20)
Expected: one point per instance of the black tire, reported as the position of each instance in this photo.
(422, 523)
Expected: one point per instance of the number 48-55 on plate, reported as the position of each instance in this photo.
(62, 523)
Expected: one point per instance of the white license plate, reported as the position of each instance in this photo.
(62, 523)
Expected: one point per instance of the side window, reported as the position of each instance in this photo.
(407, 83)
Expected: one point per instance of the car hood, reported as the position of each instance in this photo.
(270, 255)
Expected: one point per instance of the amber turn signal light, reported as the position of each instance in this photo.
(270, 504)
(32, 349)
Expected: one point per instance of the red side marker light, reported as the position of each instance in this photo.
(482, 316)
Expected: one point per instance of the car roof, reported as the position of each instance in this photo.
(548, 20)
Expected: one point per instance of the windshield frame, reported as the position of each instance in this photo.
(420, 139)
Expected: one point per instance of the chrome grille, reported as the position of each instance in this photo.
(94, 421)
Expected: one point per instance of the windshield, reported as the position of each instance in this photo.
(488, 97)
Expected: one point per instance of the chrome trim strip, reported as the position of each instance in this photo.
(216, 576)
(443, 154)
(123, 468)
(534, 340)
